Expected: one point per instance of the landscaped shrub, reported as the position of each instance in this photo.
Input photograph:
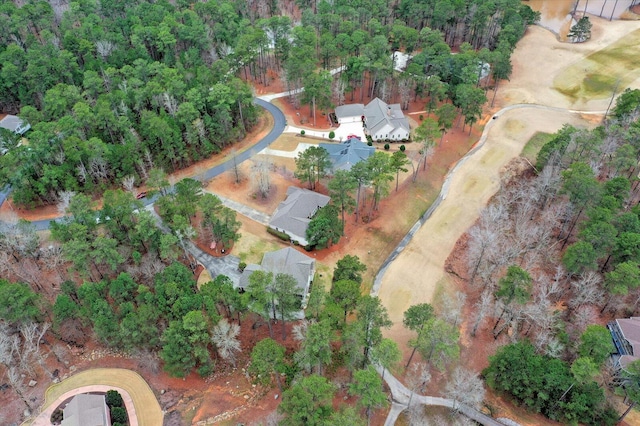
(241, 266)
(369, 143)
(332, 134)
(421, 117)
(386, 147)
(402, 148)
(278, 234)
(56, 417)
(119, 415)
(114, 399)
(302, 132)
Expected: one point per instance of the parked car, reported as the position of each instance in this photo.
(141, 195)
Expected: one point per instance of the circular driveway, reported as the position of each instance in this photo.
(141, 403)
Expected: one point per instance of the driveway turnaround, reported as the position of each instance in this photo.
(141, 403)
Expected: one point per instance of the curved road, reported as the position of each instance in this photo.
(399, 392)
(279, 124)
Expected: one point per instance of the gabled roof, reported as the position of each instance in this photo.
(630, 328)
(14, 124)
(378, 115)
(285, 261)
(294, 214)
(350, 110)
(345, 154)
(292, 262)
(86, 410)
(243, 283)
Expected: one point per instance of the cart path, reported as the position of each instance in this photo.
(415, 269)
(401, 397)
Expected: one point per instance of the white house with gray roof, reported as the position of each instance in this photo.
(293, 215)
(86, 410)
(350, 113)
(14, 124)
(285, 261)
(381, 120)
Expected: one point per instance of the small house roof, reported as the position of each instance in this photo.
(294, 213)
(243, 282)
(347, 153)
(86, 410)
(290, 261)
(630, 328)
(14, 124)
(285, 261)
(350, 110)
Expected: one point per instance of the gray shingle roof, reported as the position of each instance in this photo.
(285, 261)
(378, 115)
(243, 283)
(350, 110)
(86, 410)
(345, 154)
(290, 261)
(294, 214)
(15, 124)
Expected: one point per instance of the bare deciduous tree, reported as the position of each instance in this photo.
(128, 184)
(452, 307)
(483, 307)
(465, 387)
(417, 378)
(586, 290)
(104, 48)
(225, 337)
(260, 176)
(300, 330)
(15, 381)
(148, 360)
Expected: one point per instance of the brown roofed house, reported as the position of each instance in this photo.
(626, 338)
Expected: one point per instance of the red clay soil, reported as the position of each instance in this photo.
(229, 391)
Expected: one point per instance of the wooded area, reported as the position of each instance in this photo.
(555, 253)
(118, 93)
(114, 90)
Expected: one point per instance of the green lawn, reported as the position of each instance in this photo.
(533, 146)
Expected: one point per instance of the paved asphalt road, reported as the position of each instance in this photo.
(279, 123)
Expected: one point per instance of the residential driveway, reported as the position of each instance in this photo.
(341, 131)
(287, 154)
(141, 403)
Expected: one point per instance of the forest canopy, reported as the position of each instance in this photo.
(114, 89)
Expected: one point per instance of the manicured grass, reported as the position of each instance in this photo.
(289, 141)
(324, 273)
(254, 248)
(534, 145)
(147, 408)
(596, 76)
